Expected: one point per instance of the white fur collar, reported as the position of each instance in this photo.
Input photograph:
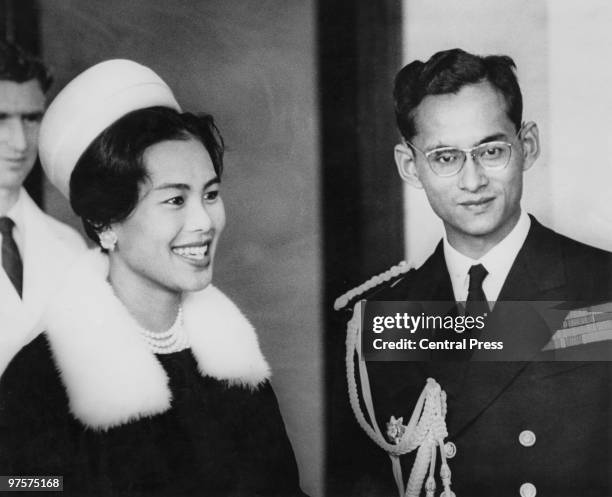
(109, 372)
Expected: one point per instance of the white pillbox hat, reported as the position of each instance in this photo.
(90, 103)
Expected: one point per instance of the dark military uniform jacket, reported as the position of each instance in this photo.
(497, 410)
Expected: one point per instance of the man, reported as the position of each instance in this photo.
(514, 428)
(36, 249)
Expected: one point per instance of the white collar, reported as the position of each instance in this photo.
(16, 211)
(497, 262)
(16, 214)
(110, 374)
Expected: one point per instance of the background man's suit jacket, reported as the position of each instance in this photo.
(567, 405)
(48, 249)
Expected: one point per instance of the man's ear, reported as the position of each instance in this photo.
(406, 166)
(530, 141)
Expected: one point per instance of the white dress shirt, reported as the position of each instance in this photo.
(496, 261)
(16, 214)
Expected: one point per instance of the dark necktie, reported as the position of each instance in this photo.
(11, 260)
(450, 367)
(476, 303)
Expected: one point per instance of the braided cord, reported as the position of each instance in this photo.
(393, 272)
(426, 429)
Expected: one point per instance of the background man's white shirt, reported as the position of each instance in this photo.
(47, 248)
(16, 214)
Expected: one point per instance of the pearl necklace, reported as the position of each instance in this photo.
(173, 340)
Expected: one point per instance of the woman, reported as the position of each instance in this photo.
(149, 381)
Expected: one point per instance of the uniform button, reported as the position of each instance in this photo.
(527, 438)
(528, 490)
(450, 449)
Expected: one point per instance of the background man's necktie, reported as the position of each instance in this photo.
(11, 260)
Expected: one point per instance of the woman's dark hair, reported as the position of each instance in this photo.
(104, 185)
(448, 72)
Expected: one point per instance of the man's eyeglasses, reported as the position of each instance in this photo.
(448, 161)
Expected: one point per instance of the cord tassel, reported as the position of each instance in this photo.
(430, 484)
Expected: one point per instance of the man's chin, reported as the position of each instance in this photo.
(12, 178)
(481, 227)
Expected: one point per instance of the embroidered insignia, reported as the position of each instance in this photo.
(582, 326)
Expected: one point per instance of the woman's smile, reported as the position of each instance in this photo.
(195, 253)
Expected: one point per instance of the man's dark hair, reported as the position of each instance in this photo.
(20, 66)
(448, 72)
(105, 183)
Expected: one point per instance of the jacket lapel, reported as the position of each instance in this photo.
(442, 288)
(44, 259)
(538, 267)
(12, 316)
(537, 270)
(8, 295)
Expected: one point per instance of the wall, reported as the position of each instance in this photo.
(251, 63)
(580, 125)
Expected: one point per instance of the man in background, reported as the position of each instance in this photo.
(35, 248)
(514, 427)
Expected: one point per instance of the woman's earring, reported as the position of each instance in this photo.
(108, 239)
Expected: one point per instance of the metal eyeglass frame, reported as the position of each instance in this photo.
(465, 152)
